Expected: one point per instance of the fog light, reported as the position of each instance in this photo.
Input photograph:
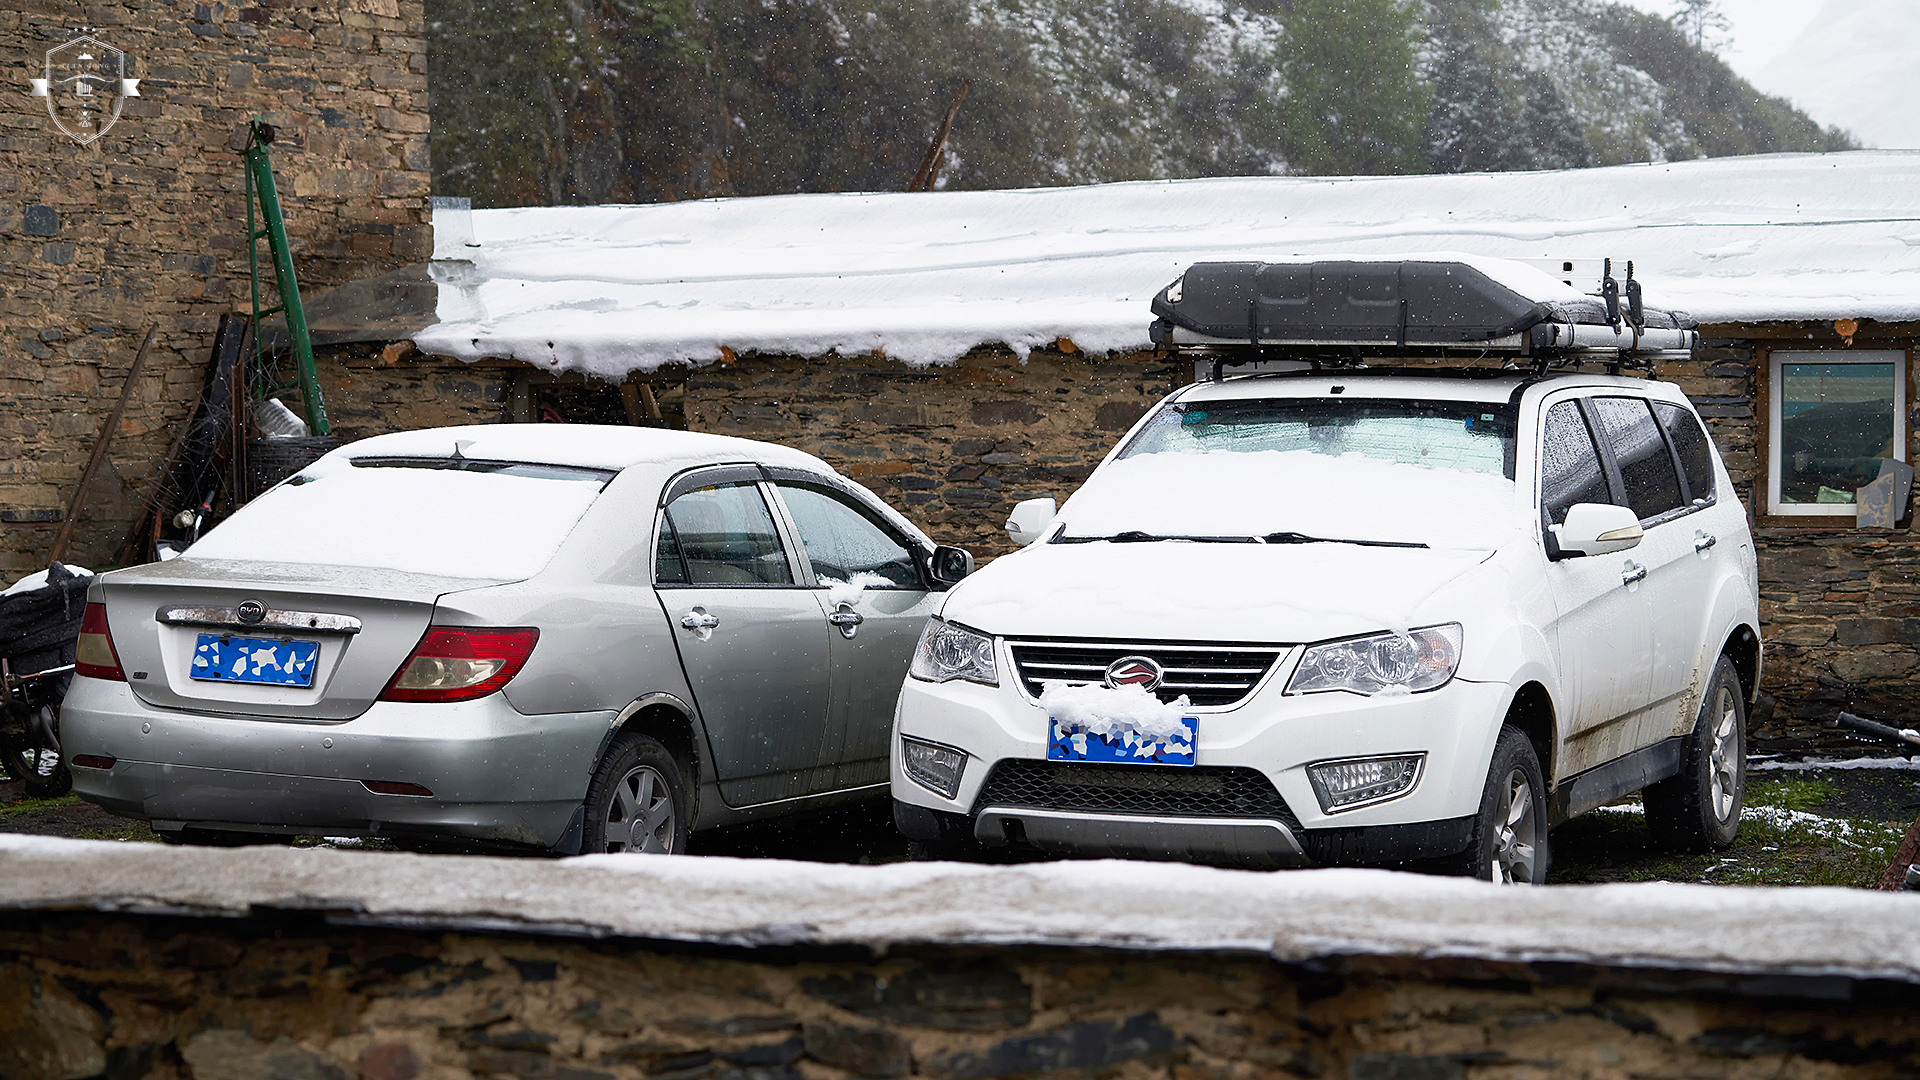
(1343, 785)
(934, 767)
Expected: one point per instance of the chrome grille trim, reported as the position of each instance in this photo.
(1211, 675)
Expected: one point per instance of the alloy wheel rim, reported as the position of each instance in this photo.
(640, 819)
(1724, 759)
(1516, 833)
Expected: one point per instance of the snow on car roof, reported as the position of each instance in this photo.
(925, 277)
(585, 445)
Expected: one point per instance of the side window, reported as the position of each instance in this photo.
(1696, 454)
(725, 536)
(1646, 465)
(841, 541)
(1569, 465)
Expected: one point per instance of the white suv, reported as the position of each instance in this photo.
(1366, 617)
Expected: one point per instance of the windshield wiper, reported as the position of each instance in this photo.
(1303, 538)
(1135, 536)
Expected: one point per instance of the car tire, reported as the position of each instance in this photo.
(637, 801)
(35, 759)
(1699, 809)
(1510, 843)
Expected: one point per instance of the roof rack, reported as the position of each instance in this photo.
(1336, 315)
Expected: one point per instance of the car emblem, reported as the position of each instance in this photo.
(251, 611)
(1141, 671)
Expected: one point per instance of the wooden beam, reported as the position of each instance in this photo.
(105, 437)
(930, 165)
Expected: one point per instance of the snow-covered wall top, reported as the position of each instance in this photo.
(923, 278)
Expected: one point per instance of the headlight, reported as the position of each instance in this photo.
(1420, 660)
(952, 652)
(934, 767)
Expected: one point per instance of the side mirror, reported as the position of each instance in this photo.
(1029, 520)
(1596, 529)
(950, 564)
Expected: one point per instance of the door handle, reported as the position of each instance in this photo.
(847, 619)
(1633, 572)
(1702, 541)
(699, 620)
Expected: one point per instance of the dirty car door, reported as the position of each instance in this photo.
(752, 641)
(873, 594)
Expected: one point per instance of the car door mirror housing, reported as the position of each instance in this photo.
(1596, 529)
(1030, 520)
(949, 564)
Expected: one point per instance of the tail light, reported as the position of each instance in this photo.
(93, 654)
(460, 663)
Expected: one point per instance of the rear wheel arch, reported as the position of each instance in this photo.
(669, 721)
(1742, 648)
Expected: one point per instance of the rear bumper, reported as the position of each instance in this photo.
(497, 776)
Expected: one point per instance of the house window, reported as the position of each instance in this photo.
(1831, 418)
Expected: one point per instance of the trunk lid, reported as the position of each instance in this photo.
(365, 622)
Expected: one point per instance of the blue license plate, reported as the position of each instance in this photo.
(1122, 747)
(261, 661)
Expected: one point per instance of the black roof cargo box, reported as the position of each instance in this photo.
(1391, 305)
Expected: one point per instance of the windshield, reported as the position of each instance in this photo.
(1309, 470)
(1468, 436)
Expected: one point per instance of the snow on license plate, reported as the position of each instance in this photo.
(1122, 744)
(263, 661)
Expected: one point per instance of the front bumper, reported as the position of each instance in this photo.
(498, 776)
(1276, 735)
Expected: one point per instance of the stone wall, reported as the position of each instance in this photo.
(951, 447)
(145, 226)
(287, 997)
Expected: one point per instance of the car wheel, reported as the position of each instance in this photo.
(637, 801)
(1699, 809)
(35, 759)
(1510, 832)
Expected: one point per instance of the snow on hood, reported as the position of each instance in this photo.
(925, 277)
(1204, 592)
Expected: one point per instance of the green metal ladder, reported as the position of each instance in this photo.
(261, 192)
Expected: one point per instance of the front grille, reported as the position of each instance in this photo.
(1206, 674)
(1155, 790)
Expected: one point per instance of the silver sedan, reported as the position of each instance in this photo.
(545, 637)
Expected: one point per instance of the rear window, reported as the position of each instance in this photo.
(501, 520)
(1467, 436)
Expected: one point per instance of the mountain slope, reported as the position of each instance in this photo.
(651, 100)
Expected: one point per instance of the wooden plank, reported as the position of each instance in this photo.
(105, 437)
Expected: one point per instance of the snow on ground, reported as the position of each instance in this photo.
(1291, 915)
(1823, 764)
(925, 277)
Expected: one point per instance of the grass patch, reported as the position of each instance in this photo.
(30, 805)
(1782, 841)
(132, 832)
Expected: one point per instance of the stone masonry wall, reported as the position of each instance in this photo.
(145, 226)
(288, 998)
(951, 447)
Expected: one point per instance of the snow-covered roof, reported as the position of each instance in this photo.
(1290, 915)
(923, 278)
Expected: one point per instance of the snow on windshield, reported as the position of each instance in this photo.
(1352, 496)
(420, 520)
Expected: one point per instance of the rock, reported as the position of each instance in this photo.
(868, 1051)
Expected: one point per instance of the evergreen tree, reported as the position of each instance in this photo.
(1471, 126)
(1352, 103)
(1554, 136)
